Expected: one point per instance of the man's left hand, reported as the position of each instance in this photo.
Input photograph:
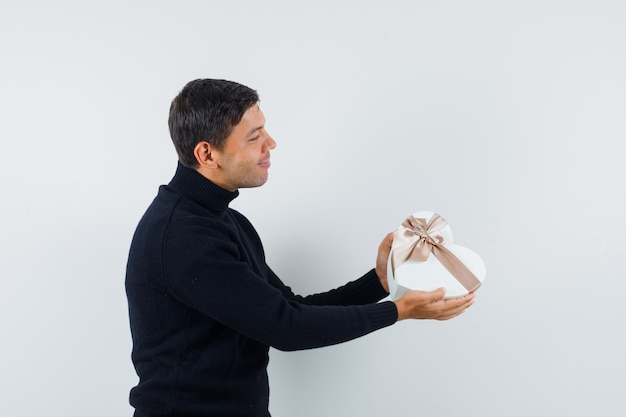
(381, 260)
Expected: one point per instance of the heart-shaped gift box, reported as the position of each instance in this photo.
(424, 257)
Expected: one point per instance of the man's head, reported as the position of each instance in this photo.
(219, 130)
(207, 110)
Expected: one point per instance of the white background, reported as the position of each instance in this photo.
(505, 117)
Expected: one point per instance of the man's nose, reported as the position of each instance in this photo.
(270, 143)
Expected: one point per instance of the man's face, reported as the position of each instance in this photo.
(244, 160)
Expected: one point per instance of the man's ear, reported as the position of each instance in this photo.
(205, 155)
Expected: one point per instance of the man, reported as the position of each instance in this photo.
(204, 306)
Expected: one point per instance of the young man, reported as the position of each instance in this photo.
(204, 306)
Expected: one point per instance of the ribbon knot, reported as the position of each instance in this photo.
(416, 239)
(427, 238)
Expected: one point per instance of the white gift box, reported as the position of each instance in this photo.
(424, 257)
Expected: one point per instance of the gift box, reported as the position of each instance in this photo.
(424, 257)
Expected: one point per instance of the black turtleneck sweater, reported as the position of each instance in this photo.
(205, 308)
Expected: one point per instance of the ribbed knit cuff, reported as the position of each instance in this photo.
(367, 289)
(382, 314)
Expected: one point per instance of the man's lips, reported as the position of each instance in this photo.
(265, 164)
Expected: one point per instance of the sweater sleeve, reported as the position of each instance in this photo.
(364, 290)
(206, 271)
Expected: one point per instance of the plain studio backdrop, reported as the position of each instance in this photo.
(506, 118)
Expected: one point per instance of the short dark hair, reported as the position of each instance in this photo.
(207, 110)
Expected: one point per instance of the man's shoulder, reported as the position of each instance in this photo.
(241, 219)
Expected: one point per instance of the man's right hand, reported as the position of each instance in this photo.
(431, 305)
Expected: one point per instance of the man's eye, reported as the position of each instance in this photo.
(254, 138)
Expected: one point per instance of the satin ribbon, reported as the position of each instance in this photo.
(416, 240)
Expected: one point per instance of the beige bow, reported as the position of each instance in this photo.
(416, 239)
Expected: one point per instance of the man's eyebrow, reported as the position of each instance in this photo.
(254, 129)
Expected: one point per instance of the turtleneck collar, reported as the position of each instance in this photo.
(201, 189)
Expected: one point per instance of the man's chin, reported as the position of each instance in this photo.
(254, 184)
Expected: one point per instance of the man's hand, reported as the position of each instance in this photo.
(431, 305)
(381, 260)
